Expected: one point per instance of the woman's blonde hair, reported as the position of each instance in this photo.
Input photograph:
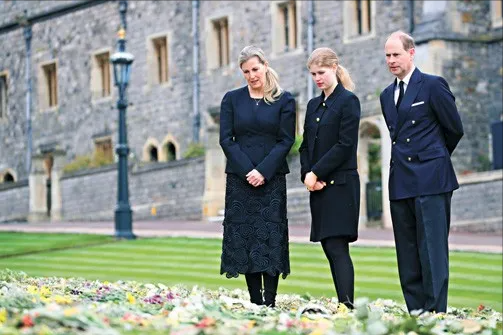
(327, 57)
(272, 90)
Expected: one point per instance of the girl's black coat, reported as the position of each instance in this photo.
(329, 150)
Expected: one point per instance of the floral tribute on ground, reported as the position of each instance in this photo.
(30, 305)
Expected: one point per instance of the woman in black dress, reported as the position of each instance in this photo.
(257, 130)
(328, 166)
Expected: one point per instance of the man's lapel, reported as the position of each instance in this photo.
(413, 88)
(389, 105)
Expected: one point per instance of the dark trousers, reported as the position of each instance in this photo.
(421, 229)
(255, 288)
(337, 251)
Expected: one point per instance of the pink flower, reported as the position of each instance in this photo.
(206, 322)
(28, 321)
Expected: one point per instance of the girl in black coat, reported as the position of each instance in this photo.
(329, 169)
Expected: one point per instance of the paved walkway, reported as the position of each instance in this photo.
(367, 237)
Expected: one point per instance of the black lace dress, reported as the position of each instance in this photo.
(255, 224)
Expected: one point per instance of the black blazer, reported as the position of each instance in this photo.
(256, 137)
(330, 143)
(424, 132)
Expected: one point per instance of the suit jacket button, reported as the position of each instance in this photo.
(409, 158)
(317, 119)
(324, 105)
(332, 182)
(413, 121)
(394, 142)
(389, 127)
(408, 140)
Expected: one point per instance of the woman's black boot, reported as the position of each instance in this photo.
(270, 289)
(254, 283)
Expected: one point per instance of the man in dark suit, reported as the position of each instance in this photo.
(425, 127)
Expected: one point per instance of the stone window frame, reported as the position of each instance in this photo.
(101, 144)
(430, 57)
(279, 44)
(149, 144)
(496, 14)
(98, 92)
(43, 89)
(351, 25)
(218, 42)
(163, 154)
(300, 114)
(8, 171)
(152, 60)
(4, 95)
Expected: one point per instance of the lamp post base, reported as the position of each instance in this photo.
(123, 224)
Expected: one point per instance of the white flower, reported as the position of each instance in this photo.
(150, 286)
(376, 328)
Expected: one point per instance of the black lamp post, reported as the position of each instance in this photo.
(122, 61)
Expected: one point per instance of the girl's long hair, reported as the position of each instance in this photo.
(326, 57)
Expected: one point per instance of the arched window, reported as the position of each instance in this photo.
(170, 151)
(150, 151)
(153, 154)
(8, 178)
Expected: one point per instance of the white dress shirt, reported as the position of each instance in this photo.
(405, 80)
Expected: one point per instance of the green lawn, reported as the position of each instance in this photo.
(476, 278)
(21, 243)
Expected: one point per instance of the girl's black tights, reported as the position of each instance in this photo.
(337, 251)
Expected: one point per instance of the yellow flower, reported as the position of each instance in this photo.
(70, 311)
(251, 324)
(3, 315)
(130, 298)
(317, 331)
(305, 319)
(32, 289)
(343, 309)
(44, 291)
(145, 323)
(59, 299)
